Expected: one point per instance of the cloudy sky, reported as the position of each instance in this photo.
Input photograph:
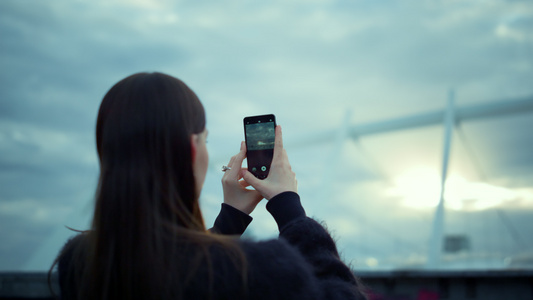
(322, 67)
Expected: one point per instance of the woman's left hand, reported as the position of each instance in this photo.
(235, 192)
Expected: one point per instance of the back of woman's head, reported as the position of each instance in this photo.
(143, 139)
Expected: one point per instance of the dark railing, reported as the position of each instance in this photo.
(26, 285)
(404, 285)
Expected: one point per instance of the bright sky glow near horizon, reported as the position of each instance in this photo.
(312, 63)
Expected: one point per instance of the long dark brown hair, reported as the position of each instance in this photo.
(147, 210)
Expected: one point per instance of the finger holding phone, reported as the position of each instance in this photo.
(280, 178)
(235, 192)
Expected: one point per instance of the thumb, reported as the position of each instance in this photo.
(250, 178)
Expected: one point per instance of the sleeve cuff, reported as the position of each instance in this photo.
(231, 221)
(285, 208)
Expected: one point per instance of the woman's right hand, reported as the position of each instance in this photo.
(280, 178)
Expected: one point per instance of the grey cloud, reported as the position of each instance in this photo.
(19, 240)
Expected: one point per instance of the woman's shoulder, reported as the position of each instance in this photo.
(70, 263)
(78, 241)
(72, 248)
(74, 252)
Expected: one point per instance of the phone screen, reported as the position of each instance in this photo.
(260, 135)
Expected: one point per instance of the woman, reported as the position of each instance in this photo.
(148, 239)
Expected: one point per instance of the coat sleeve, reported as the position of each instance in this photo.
(230, 221)
(335, 278)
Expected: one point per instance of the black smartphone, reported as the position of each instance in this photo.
(260, 134)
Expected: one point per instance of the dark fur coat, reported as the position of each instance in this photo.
(302, 264)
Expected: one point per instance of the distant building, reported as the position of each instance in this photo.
(456, 243)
